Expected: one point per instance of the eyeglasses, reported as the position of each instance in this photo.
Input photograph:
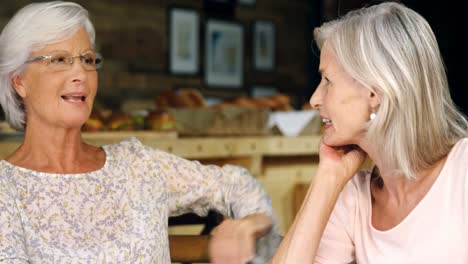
(63, 60)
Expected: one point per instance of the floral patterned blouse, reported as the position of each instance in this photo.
(119, 213)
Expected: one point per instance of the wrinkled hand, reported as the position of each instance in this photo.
(343, 162)
(233, 241)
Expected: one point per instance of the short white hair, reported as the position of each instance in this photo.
(32, 28)
(392, 51)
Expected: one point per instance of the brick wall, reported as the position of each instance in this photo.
(132, 36)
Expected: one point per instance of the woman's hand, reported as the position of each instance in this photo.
(234, 240)
(342, 162)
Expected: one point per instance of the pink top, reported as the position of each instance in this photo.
(436, 231)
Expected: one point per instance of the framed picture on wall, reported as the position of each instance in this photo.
(184, 39)
(264, 45)
(224, 54)
(259, 91)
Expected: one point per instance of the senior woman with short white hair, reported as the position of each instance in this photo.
(384, 93)
(64, 201)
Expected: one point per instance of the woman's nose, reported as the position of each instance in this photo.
(79, 72)
(316, 99)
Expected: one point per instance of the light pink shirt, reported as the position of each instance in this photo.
(436, 231)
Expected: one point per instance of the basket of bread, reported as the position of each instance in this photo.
(240, 116)
(188, 114)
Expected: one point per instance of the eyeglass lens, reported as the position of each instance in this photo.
(64, 60)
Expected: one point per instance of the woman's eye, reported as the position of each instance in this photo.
(58, 59)
(88, 60)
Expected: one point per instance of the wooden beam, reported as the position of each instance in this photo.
(189, 248)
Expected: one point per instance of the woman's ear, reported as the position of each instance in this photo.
(18, 84)
(374, 99)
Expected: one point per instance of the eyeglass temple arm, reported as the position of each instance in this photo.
(37, 58)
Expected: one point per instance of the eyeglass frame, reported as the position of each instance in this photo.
(71, 59)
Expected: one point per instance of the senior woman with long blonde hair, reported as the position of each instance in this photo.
(384, 93)
(64, 201)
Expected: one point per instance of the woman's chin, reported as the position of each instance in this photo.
(334, 141)
(74, 124)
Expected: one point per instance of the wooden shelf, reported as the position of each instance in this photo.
(225, 147)
(198, 147)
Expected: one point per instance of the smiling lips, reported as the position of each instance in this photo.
(74, 98)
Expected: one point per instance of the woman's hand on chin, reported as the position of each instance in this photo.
(343, 161)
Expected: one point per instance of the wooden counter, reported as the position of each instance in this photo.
(279, 163)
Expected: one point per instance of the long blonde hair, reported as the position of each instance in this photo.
(392, 50)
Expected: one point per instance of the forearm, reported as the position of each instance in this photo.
(303, 238)
(243, 195)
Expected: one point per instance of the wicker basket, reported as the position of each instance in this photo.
(221, 122)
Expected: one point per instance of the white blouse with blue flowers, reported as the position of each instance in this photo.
(119, 213)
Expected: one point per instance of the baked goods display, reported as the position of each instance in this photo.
(94, 123)
(277, 102)
(159, 121)
(120, 122)
(116, 121)
(192, 98)
(174, 110)
(188, 113)
(154, 120)
(186, 98)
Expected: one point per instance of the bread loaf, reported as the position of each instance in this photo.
(94, 123)
(120, 122)
(186, 98)
(159, 121)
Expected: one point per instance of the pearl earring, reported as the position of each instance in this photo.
(372, 115)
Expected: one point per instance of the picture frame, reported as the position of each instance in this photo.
(259, 91)
(184, 41)
(224, 54)
(264, 45)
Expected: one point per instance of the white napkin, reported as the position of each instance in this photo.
(291, 123)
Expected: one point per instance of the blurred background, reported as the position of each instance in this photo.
(251, 48)
(175, 66)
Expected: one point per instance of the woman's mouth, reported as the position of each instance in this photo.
(326, 121)
(74, 98)
(77, 99)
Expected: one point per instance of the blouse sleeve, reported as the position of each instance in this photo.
(12, 248)
(230, 190)
(336, 245)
